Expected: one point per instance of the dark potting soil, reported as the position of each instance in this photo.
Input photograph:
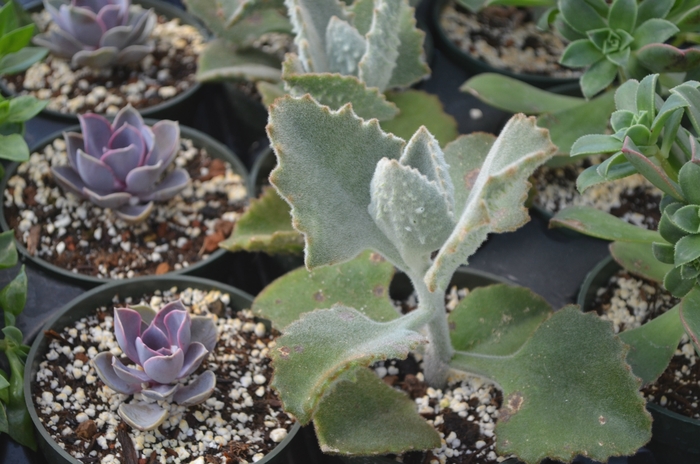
(630, 301)
(163, 74)
(506, 37)
(241, 422)
(78, 236)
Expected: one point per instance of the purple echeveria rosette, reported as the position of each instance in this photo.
(98, 33)
(119, 165)
(166, 346)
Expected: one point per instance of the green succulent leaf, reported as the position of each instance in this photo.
(688, 218)
(663, 252)
(16, 40)
(335, 90)
(465, 156)
(581, 53)
(590, 177)
(689, 180)
(687, 249)
(500, 185)
(689, 21)
(668, 229)
(661, 58)
(353, 418)
(362, 282)
(676, 284)
(621, 120)
(13, 297)
(615, 167)
(690, 316)
(477, 328)
(623, 15)
(640, 259)
(21, 60)
(596, 78)
(240, 22)
(322, 345)
(674, 104)
(418, 108)
(317, 151)
(265, 226)
(221, 60)
(654, 173)
(654, 31)
(653, 344)
(18, 418)
(596, 223)
(8, 252)
(620, 57)
(689, 92)
(646, 95)
(594, 144)
(649, 9)
(515, 96)
(626, 96)
(581, 16)
(606, 415)
(24, 108)
(13, 148)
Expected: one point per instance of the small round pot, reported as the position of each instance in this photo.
(203, 268)
(474, 65)
(179, 107)
(674, 438)
(85, 305)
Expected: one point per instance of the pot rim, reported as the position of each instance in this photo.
(468, 62)
(215, 149)
(161, 7)
(105, 293)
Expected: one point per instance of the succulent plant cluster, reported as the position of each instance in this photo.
(166, 346)
(98, 33)
(122, 165)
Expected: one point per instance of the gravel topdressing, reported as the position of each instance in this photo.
(241, 422)
(81, 237)
(160, 76)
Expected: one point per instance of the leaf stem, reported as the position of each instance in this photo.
(484, 365)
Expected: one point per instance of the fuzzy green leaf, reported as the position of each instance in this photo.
(476, 326)
(335, 90)
(689, 180)
(13, 297)
(353, 418)
(363, 11)
(687, 218)
(411, 65)
(516, 96)
(599, 224)
(676, 284)
(639, 259)
(465, 157)
(265, 226)
(653, 344)
(13, 148)
(596, 78)
(581, 53)
(361, 283)
(418, 108)
(626, 96)
(345, 47)
(269, 92)
(623, 15)
(220, 60)
(8, 252)
(575, 358)
(309, 21)
(322, 345)
(690, 316)
(497, 197)
(326, 161)
(654, 173)
(687, 249)
(663, 252)
(379, 60)
(594, 144)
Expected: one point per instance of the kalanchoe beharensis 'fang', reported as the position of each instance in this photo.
(166, 346)
(98, 33)
(119, 165)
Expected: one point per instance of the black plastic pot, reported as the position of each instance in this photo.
(179, 107)
(203, 268)
(85, 305)
(474, 65)
(674, 438)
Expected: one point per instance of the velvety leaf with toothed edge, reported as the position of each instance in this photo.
(345, 47)
(378, 62)
(411, 65)
(315, 350)
(499, 188)
(353, 418)
(320, 174)
(361, 283)
(465, 157)
(418, 108)
(265, 226)
(597, 223)
(269, 92)
(477, 328)
(577, 359)
(653, 344)
(335, 90)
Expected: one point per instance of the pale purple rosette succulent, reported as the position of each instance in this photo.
(121, 165)
(166, 346)
(97, 33)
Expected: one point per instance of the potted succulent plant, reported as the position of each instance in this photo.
(405, 201)
(651, 138)
(146, 404)
(133, 199)
(107, 54)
